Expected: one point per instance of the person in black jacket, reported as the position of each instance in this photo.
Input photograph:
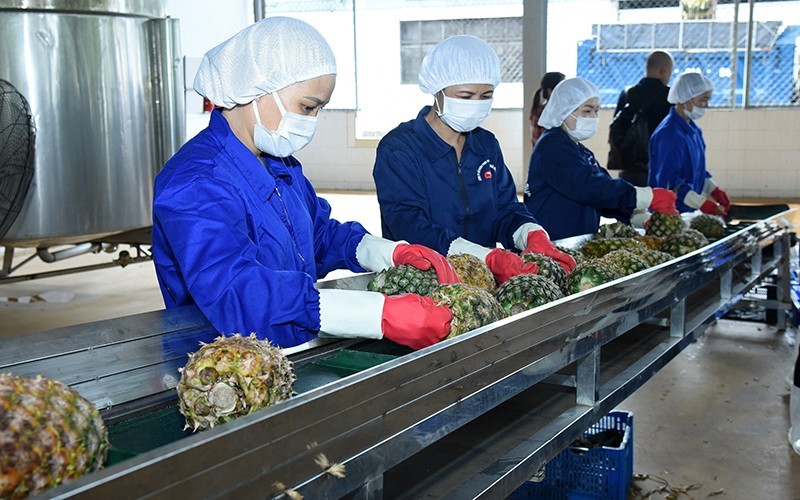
(651, 94)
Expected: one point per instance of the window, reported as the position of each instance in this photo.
(504, 34)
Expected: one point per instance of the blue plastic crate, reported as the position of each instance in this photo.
(588, 473)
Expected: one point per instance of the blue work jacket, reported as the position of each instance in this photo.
(245, 240)
(678, 158)
(568, 191)
(428, 197)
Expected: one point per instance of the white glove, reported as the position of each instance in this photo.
(374, 253)
(350, 314)
(639, 217)
(694, 200)
(520, 236)
(708, 187)
(460, 245)
(644, 197)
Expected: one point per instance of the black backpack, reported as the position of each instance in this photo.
(629, 137)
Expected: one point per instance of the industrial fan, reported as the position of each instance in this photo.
(17, 136)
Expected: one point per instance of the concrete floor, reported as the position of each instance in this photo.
(714, 419)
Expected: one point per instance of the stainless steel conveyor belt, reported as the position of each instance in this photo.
(471, 417)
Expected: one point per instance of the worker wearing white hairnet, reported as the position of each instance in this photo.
(441, 179)
(238, 229)
(567, 189)
(678, 151)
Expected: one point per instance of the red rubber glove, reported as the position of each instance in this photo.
(664, 201)
(505, 264)
(424, 258)
(722, 198)
(713, 208)
(539, 242)
(414, 321)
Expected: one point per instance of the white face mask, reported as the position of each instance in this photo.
(293, 134)
(696, 113)
(585, 127)
(464, 115)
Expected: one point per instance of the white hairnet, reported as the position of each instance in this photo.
(262, 58)
(459, 60)
(566, 98)
(688, 86)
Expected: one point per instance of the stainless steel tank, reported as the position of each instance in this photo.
(105, 86)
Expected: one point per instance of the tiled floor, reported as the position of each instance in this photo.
(716, 417)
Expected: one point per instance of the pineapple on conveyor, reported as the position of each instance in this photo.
(472, 307)
(625, 262)
(589, 274)
(663, 225)
(575, 254)
(232, 377)
(404, 278)
(616, 230)
(652, 257)
(651, 242)
(48, 434)
(683, 243)
(593, 249)
(548, 268)
(710, 226)
(473, 271)
(526, 291)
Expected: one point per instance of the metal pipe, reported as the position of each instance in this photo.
(748, 53)
(734, 51)
(73, 251)
(259, 10)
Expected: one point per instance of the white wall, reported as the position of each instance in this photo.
(751, 153)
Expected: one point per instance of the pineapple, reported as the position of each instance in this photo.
(589, 274)
(651, 257)
(232, 377)
(473, 271)
(625, 262)
(597, 248)
(403, 278)
(48, 434)
(663, 225)
(548, 268)
(686, 242)
(526, 291)
(697, 236)
(616, 230)
(575, 254)
(651, 242)
(472, 307)
(712, 227)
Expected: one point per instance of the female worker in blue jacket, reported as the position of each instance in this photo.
(567, 189)
(678, 151)
(238, 229)
(441, 180)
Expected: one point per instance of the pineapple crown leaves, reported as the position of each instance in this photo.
(329, 468)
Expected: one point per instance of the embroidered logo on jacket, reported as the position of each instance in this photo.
(486, 170)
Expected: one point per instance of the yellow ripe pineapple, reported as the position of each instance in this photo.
(48, 434)
(231, 377)
(472, 307)
(472, 271)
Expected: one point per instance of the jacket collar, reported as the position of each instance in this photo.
(435, 147)
(689, 127)
(260, 172)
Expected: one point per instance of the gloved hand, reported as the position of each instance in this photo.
(722, 198)
(664, 201)
(505, 264)
(415, 321)
(424, 258)
(539, 242)
(713, 208)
